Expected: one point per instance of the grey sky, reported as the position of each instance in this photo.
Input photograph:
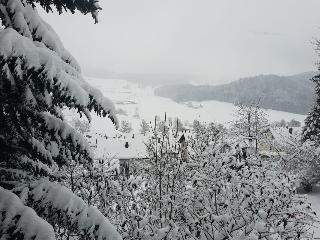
(222, 39)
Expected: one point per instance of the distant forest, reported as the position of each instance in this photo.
(293, 94)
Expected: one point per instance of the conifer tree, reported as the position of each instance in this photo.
(38, 78)
(311, 129)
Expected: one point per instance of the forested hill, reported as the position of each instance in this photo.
(285, 93)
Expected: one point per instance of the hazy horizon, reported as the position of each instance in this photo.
(214, 41)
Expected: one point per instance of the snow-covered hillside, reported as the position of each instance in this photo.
(135, 102)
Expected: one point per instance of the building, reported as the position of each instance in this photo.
(183, 148)
(275, 137)
(127, 154)
(126, 150)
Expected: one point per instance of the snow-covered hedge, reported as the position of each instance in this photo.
(209, 195)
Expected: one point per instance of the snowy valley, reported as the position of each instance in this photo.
(85, 158)
(134, 103)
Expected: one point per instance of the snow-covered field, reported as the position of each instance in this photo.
(136, 102)
(314, 199)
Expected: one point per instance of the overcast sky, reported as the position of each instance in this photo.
(222, 39)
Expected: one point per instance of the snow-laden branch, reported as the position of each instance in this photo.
(18, 220)
(29, 43)
(61, 77)
(65, 131)
(57, 204)
(22, 17)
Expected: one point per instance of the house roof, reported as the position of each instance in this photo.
(281, 135)
(115, 147)
(182, 139)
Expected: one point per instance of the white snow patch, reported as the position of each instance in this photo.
(32, 226)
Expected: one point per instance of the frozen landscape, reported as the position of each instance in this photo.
(143, 150)
(135, 103)
(139, 102)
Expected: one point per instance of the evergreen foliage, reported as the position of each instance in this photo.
(38, 78)
(311, 129)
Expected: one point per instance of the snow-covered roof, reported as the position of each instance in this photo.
(241, 141)
(116, 147)
(184, 135)
(135, 150)
(281, 135)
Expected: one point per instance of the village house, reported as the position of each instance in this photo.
(126, 149)
(274, 137)
(127, 154)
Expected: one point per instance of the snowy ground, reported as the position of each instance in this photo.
(314, 198)
(138, 102)
(114, 147)
(134, 103)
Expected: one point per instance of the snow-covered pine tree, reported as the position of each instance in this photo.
(311, 130)
(38, 78)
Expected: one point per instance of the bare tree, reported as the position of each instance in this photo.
(251, 122)
(125, 127)
(144, 127)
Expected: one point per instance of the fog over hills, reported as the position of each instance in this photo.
(285, 93)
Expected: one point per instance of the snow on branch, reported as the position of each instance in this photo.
(64, 81)
(65, 131)
(18, 220)
(25, 19)
(84, 6)
(59, 205)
